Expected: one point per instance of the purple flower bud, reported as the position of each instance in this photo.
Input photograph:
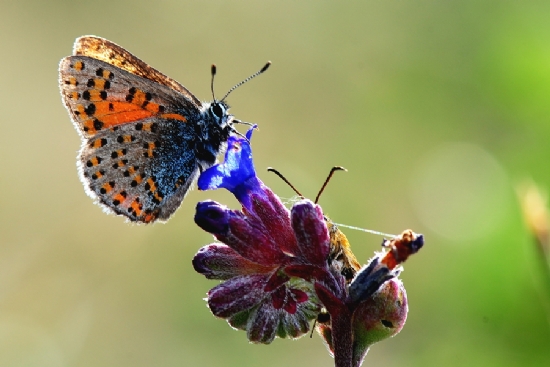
(212, 217)
(311, 231)
(217, 261)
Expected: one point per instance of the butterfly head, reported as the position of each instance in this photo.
(218, 111)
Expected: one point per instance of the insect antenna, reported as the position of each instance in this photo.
(266, 66)
(333, 169)
(271, 169)
(235, 121)
(213, 73)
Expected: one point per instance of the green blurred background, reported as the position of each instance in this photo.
(437, 109)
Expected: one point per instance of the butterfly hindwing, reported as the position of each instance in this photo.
(139, 171)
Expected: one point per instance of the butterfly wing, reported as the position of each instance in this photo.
(138, 155)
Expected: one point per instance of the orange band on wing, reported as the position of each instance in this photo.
(124, 117)
(173, 116)
(104, 113)
(118, 113)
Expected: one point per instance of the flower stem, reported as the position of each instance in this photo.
(342, 339)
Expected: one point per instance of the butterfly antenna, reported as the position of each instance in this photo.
(271, 169)
(246, 80)
(334, 169)
(213, 73)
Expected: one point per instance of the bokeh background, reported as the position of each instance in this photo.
(437, 109)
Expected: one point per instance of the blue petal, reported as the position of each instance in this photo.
(237, 168)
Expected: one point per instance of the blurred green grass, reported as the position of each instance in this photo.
(437, 109)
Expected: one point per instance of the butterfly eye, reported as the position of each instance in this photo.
(218, 110)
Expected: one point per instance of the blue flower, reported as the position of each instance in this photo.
(236, 173)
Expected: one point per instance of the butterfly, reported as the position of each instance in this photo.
(145, 137)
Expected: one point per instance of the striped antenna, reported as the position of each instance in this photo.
(244, 81)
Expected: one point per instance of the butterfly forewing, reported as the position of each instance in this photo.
(111, 53)
(99, 96)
